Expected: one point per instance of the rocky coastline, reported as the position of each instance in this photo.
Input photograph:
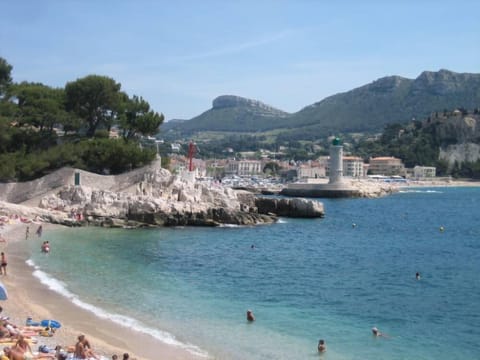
(149, 197)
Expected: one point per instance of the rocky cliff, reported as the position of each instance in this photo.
(151, 197)
(458, 136)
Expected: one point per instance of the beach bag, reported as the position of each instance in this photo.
(43, 349)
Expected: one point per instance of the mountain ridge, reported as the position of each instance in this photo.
(367, 108)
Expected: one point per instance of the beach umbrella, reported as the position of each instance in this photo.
(3, 292)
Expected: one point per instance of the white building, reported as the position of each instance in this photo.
(353, 166)
(386, 165)
(420, 172)
(244, 167)
(310, 172)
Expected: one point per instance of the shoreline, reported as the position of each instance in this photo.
(27, 296)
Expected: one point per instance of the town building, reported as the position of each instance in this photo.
(244, 167)
(353, 166)
(386, 165)
(421, 172)
(310, 172)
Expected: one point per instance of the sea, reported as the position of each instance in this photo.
(304, 279)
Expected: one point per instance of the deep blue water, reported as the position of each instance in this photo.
(304, 280)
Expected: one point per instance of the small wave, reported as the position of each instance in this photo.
(421, 191)
(125, 321)
(282, 221)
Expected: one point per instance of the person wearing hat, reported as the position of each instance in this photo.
(250, 316)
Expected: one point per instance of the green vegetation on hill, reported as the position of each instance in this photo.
(368, 108)
(44, 128)
(420, 142)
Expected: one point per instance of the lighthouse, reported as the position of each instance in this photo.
(336, 162)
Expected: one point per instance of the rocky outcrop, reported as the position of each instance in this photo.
(157, 198)
(232, 101)
(296, 207)
(150, 196)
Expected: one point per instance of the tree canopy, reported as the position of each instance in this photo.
(5, 75)
(43, 128)
(95, 99)
(137, 118)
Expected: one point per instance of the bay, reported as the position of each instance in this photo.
(305, 279)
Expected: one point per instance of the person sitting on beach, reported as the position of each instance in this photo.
(83, 350)
(250, 316)
(114, 357)
(126, 356)
(23, 344)
(322, 346)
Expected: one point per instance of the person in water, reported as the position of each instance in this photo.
(250, 316)
(39, 231)
(417, 276)
(377, 332)
(46, 247)
(322, 346)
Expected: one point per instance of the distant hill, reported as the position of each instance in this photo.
(368, 108)
(230, 114)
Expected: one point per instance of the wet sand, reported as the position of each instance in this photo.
(28, 297)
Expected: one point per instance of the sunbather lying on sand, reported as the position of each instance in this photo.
(16, 354)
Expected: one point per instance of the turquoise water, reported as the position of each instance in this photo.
(304, 280)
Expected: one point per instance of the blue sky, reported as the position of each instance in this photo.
(180, 55)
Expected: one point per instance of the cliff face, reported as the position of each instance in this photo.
(460, 138)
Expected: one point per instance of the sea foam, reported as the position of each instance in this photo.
(125, 321)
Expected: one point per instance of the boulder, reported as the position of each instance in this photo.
(290, 207)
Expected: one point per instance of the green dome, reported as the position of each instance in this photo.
(336, 141)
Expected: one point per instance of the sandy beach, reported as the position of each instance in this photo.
(28, 297)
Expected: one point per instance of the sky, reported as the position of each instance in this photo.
(180, 55)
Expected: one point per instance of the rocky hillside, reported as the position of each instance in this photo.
(459, 138)
(229, 114)
(368, 108)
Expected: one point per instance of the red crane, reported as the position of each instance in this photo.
(192, 148)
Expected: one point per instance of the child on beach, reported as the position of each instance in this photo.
(3, 264)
